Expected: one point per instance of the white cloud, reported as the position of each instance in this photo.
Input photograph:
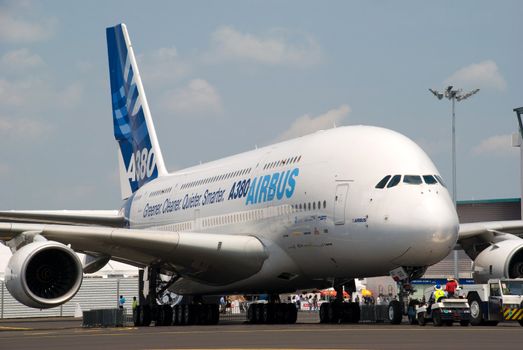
(20, 60)
(198, 97)
(279, 47)
(496, 145)
(17, 30)
(22, 127)
(35, 93)
(307, 124)
(478, 75)
(163, 66)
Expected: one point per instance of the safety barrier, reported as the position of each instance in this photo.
(104, 318)
(374, 313)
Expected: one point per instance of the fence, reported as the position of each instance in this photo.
(95, 293)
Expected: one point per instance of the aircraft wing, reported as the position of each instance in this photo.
(209, 258)
(490, 228)
(110, 218)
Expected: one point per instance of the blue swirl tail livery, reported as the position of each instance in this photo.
(139, 154)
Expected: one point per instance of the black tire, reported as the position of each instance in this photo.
(145, 316)
(278, 315)
(436, 318)
(136, 316)
(491, 323)
(176, 315)
(291, 313)
(184, 315)
(476, 314)
(449, 323)
(168, 315)
(264, 314)
(356, 312)
(215, 313)
(324, 317)
(395, 312)
(250, 314)
(464, 323)
(520, 323)
(421, 319)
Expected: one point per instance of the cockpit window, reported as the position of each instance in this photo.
(412, 179)
(440, 180)
(429, 179)
(383, 182)
(394, 181)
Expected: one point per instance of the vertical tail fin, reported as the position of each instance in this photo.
(139, 153)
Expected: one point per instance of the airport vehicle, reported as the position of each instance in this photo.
(308, 213)
(498, 300)
(444, 312)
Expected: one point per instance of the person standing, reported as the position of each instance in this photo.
(121, 302)
(451, 286)
(134, 305)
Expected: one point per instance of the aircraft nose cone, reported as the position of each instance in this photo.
(432, 232)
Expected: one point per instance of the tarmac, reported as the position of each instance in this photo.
(67, 333)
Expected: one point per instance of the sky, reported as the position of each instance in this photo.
(223, 77)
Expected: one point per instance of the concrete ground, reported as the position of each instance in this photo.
(68, 334)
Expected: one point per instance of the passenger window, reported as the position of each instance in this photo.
(440, 180)
(394, 181)
(412, 179)
(429, 179)
(383, 182)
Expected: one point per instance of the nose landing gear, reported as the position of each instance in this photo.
(403, 277)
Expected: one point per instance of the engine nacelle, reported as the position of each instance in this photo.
(43, 274)
(503, 259)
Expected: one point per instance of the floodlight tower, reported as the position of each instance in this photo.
(454, 95)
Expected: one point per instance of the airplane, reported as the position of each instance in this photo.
(312, 212)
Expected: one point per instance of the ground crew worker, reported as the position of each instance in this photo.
(438, 293)
(134, 305)
(121, 302)
(451, 286)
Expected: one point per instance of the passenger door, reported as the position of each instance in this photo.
(340, 202)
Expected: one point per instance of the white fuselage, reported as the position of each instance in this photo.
(312, 201)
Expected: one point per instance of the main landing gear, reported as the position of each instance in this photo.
(154, 308)
(271, 313)
(339, 311)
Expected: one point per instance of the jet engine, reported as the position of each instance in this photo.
(43, 274)
(503, 259)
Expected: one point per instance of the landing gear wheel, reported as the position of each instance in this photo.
(184, 314)
(356, 312)
(436, 318)
(145, 316)
(291, 314)
(324, 317)
(395, 313)
(250, 314)
(476, 315)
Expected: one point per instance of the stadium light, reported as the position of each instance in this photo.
(454, 95)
